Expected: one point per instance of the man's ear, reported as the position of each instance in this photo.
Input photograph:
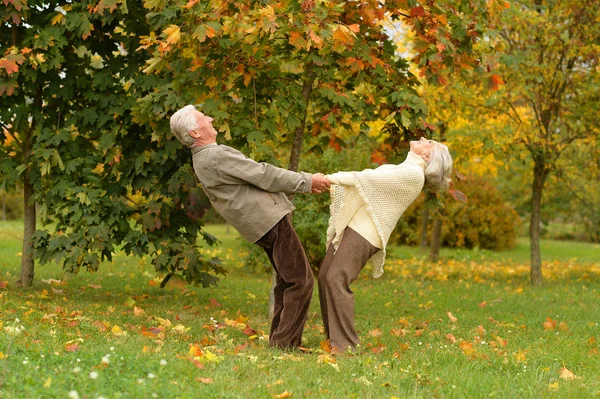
(194, 133)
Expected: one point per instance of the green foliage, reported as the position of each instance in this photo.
(102, 181)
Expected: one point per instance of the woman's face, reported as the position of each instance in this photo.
(422, 147)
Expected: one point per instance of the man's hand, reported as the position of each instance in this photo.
(319, 183)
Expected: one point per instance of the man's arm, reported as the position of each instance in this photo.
(233, 166)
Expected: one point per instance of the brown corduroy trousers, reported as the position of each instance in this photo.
(294, 284)
(337, 272)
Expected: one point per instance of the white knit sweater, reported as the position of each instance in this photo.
(384, 192)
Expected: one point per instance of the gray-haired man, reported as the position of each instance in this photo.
(251, 197)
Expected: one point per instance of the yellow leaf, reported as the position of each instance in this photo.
(57, 19)
(520, 356)
(39, 57)
(130, 302)
(553, 386)
(211, 357)
(173, 34)
(49, 380)
(2, 355)
(118, 331)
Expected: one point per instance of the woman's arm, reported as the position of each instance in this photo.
(342, 178)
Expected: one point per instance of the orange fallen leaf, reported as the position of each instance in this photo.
(376, 333)
(398, 332)
(95, 286)
(379, 348)
(482, 304)
(451, 317)
(138, 311)
(72, 348)
(549, 324)
(326, 346)
(566, 374)
(214, 302)
(451, 338)
(3, 284)
(250, 331)
(205, 380)
(480, 330)
(283, 395)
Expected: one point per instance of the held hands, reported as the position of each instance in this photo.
(319, 183)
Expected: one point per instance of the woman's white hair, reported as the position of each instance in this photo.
(182, 122)
(439, 168)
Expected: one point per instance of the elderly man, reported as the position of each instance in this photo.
(251, 197)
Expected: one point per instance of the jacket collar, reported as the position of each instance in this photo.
(202, 147)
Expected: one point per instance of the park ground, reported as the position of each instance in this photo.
(468, 326)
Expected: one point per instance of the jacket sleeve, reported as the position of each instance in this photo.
(234, 167)
(343, 178)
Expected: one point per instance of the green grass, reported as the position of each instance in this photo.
(498, 347)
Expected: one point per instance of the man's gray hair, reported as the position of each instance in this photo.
(439, 168)
(182, 122)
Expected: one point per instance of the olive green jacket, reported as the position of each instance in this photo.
(249, 195)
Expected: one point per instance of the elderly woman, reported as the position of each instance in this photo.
(365, 207)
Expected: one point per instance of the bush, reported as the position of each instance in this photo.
(485, 221)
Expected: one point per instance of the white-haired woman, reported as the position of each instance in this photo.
(365, 207)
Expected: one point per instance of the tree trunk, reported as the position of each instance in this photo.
(27, 260)
(424, 229)
(539, 177)
(307, 87)
(436, 238)
(29, 212)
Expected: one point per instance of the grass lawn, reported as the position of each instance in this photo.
(468, 326)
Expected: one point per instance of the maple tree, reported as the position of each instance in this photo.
(88, 136)
(539, 105)
(68, 81)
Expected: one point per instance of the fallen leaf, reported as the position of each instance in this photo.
(326, 346)
(205, 380)
(566, 374)
(452, 318)
(451, 338)
(3, 284)
(278, 382)
(250, 331)
(138, 311)
(214, 302)
(549, 324)
(553, 386)
(376, 333)
(95, 286)
(118, 331)
(48, 383)
(482, 304)
(72, 348)
(283, 395)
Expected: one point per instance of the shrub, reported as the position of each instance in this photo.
(11, 205)
(485, 221)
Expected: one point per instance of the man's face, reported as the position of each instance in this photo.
(205, 127)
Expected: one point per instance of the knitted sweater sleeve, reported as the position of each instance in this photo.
(342, 178)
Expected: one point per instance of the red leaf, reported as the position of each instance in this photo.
(3, 284)
(9, 66)
(417, 12)
(459, 196)
(495, 82)
(249, 331)
(460, 176)
(72, 348)
(214, 302)
(429, 126)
